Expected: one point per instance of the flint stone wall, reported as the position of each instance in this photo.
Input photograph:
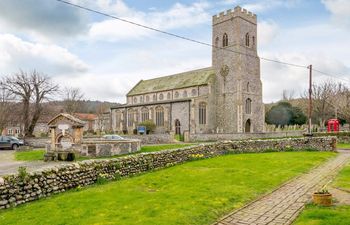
(239, 136)
(15, 190)
(37, 142)
(103, 148)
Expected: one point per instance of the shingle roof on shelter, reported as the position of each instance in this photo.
(69, 117)
(176, 81)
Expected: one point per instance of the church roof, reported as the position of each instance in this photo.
(177, 81)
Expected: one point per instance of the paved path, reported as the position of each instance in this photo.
(8, 165)
(283, 205)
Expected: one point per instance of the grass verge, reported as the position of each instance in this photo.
(39, 154)
(343, 145)
(197, 192)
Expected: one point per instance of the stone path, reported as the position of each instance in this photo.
(8, 165)
(283, 205)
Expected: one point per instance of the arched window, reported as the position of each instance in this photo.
(225, 40)
(176, 94)
(144, 114)
(131, 118)
(168, 96)
(194, 92)
(248, 87)
(247, 39)
(253, 39)
(184, 95)
(159, 116)
(147, 98)
(217, 42)
(141, 99)
(248, 106)
(135, 100)
(202, 113)
(161, 97)
(154, 97)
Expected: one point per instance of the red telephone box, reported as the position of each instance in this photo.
(333, 125)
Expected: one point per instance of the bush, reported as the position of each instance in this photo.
(149, 124)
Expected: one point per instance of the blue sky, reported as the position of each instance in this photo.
(105, 58)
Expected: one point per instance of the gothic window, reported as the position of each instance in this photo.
(248, 87)
(141, 99)
(176, 94)
(253, 39)
(225, 40)
(202, 113)
(159, 116)
(131, 118)
(247, 39)
(161, 97)
(217, 42)
(168, 96)
(184, 95)
(248, 106)
(135, 100)
(194, 92)
(147, 98)
(144, 114)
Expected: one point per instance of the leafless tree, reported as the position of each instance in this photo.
(323, 94)
(288, 95)
(31, 89)
(5, 107)
(72, 99)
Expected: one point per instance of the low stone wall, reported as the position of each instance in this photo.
(37, 142)
(241, 136)
(153, 138)
(19, 189)
(102, 148)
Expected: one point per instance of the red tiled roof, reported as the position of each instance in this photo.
(86, 116)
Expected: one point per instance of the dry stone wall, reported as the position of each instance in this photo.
(22, 188)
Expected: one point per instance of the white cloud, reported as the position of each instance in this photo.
(267, 31)
(340, 10)
(178, 16)
(50, 59)
(259, 6)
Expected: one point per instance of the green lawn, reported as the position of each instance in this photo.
(30, 155)
(197, 192)
(343, 145)
(337, 215)
(317, 215)
(343, 179)
(39, 154)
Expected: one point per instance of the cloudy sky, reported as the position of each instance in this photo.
(105, 58)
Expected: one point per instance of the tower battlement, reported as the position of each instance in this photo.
(236, 12)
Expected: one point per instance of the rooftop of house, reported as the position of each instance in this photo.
(176, 81)
(85, 116)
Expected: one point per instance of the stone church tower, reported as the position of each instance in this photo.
(239, 106)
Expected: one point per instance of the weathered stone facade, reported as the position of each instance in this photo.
(16, 189)
(224, 98)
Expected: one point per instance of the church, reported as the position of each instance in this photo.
(223, 98)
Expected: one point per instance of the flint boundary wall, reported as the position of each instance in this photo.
(16, 189)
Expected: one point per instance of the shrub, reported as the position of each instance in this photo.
(22, 173)
(102, 178)
(149, 124)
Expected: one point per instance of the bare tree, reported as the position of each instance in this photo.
(288, 95)
(5, 107)
(32, 90)
(72, 99)
(323, 94)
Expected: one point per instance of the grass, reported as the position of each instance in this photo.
(318, 215)
(343, 145)
(343, 179)
(39, 154)
(30, 155)
(197, 192)
(335, 215)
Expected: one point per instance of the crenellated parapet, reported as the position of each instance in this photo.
(236, 12)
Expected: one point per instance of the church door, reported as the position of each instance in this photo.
(247, 126)
(177, 127)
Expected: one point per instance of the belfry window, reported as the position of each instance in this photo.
(247, 39)
(202, 113)
(248, 106)
(217, 42)
(225, 40)
(253, 39)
